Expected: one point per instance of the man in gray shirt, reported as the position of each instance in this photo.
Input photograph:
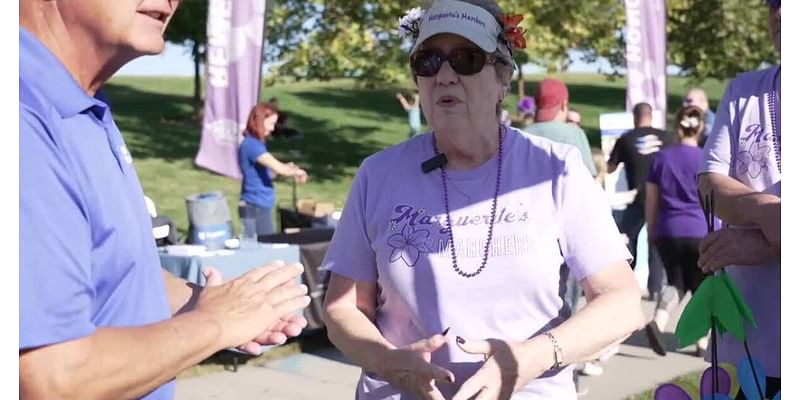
(552, 106)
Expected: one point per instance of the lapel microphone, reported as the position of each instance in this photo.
(437, 161)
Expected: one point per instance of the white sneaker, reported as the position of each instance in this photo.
(591, 368)
(701, 347)
(611, 353)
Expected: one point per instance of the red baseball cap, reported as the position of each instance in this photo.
(552, 93)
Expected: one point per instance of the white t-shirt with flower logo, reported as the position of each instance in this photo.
(745, 145)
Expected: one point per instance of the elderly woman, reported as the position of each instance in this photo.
(445, 279)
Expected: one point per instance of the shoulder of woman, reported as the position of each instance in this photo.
(538, 144)
(752, 82)
(398, 155)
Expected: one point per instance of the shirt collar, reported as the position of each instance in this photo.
(40, 69)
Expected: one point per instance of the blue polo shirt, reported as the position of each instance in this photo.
(87, 254)
(257, 185)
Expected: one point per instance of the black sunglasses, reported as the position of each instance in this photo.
(774, 4)
(468, 61)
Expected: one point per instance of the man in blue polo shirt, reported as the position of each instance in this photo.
(98, 316)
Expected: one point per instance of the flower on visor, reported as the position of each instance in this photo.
(514, 33)
(409, 23)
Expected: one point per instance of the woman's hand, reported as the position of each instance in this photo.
(742, 246)
(410, 368)
(300, 175)
(507, 368)
(289, 325)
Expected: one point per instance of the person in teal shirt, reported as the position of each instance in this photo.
(414, 113)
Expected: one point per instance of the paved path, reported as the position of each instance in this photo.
(323, 373)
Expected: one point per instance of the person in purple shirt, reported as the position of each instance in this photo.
(675, 220)
(446, 277)
(98, 317)
(742, 166)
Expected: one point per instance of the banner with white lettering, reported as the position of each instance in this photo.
(646, 54)
(235, 32)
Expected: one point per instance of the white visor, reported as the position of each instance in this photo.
(463, 19)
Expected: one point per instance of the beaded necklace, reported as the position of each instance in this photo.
(494, 211)
(776, 141)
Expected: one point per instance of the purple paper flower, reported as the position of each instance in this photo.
(743, 377)
(408, 244)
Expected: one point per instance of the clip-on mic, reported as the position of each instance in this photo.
(437, 161)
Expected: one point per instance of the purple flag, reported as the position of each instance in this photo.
(235, 37)
(645, 54)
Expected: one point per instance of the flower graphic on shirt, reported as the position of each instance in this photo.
(408, 244)
(754, 160)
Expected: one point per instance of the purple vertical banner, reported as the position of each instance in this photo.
(646, 55)
(235, 37)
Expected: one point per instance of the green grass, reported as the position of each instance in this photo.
(342, 124)
(690, 381)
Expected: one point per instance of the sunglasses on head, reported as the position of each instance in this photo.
(773, 3)
(468, 61)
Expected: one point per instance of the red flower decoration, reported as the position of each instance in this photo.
(515, 34)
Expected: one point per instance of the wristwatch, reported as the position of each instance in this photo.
(558, 355)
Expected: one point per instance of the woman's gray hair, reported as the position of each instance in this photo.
(505, 65)
(505, 68)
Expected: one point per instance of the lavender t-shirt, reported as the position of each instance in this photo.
(392, 232)
(745, 144)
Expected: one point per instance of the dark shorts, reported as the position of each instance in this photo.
(680, 256)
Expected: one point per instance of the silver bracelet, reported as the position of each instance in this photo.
(558, 355)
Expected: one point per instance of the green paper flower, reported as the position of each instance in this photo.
(718, 301)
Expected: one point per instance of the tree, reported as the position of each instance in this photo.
(718, 39)
(338, 38)
(705, 38)
(325, 39)
(188, 28)
(555, 26)
(520, 58)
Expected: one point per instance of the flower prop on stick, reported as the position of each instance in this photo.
(719, 306)
(729, 380)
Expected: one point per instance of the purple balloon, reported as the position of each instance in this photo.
(671, 391)
(706, 381)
